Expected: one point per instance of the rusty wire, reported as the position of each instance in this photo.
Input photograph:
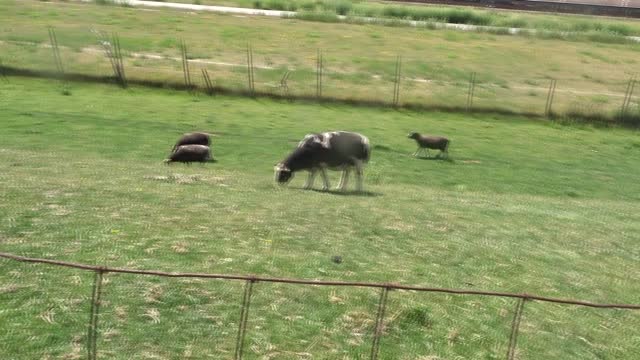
(254, 278)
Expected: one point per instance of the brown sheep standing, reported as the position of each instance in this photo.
(194, 138)
(430, 142)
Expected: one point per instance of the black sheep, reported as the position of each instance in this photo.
(190, 153)
(195, 138)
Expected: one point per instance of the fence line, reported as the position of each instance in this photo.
(254, 278)
(100, 271)
(572, 105)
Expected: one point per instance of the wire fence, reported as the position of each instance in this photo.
(391, 80)
(100, 272)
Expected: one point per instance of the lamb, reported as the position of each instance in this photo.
(190, 153)
(194, 138)
(430, 142)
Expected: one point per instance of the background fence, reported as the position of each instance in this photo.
(394, 80)
(101, 274)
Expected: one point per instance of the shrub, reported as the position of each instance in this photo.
(395, 12)
(321, 16)
(620, 29)
(277, 5)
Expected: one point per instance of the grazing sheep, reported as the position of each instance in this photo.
(195, 138)
(190, 153)
(430, 142)
(337, 150)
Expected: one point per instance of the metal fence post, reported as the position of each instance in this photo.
(2, 74)
(319, 66)
(472, 86)
(92, 331)
(382, 306)
(119, 61)
(250, 73)
(114, 54)
(550, 94)
(284, 86)
(515, 327)
(185, 64)
(207, 81)
(244, 315)
(628, 95)
(396, 86)
(56, 51)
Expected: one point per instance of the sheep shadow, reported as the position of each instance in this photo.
(435, 158)
(190, 163)
(348, 193)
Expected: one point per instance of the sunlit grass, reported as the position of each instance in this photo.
(522, 206)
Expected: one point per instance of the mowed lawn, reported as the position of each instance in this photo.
(522, 206)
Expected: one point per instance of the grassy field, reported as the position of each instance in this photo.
(513, 73)
(523, 206)
(449, 14)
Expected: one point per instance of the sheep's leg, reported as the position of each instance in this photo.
(325, 179)
(415, 154)
(359, 186)
(344, 179)
(312, 175)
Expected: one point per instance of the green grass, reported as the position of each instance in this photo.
(359, 59)
(523, 206)
(456, 15)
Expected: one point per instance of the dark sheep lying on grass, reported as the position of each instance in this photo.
(195, 138)
(190, 153)
(430, 142)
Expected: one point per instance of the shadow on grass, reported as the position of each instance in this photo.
(435, 158)
(347, 193)
(189, 163)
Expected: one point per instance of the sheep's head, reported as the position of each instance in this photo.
(283, 174)
(413, 135)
